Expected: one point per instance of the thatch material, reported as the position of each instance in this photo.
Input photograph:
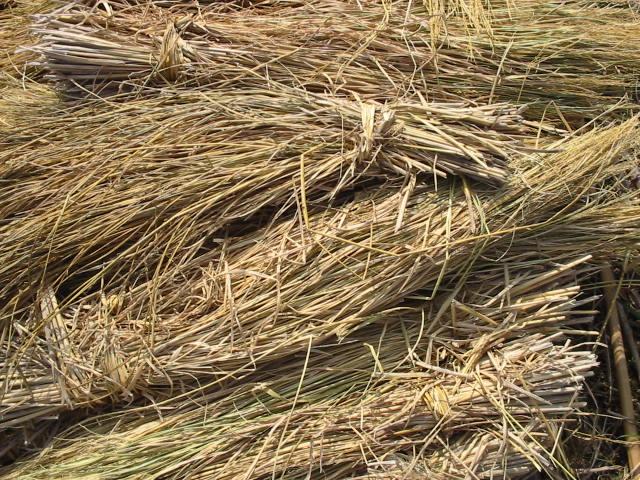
(18, 96)
(258, 298)
(486, 454)
(284, 269)
(16, 36)
(414, 380)
(570, 62)
(109, 189)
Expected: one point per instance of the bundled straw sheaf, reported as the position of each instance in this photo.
(118, 189)
(262, 296)
(569, 61)
(410, 383)
(307, 238)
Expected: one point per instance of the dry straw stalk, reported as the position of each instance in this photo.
(258, 298)
(413, 380)
(568, 62)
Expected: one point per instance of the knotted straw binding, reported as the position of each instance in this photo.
(372, 129)
(170, 58)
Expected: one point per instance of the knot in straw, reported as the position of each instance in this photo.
(373, 127)
(170, 57)
(437, 401)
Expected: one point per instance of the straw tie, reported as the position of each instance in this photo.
(170, 59)
(437, 400)
(372, 128)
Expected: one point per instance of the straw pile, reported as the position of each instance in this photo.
(358, 242)
(158, 193)
(564, 62)
(379, 392)
(262, 294)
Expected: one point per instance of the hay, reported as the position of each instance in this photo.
(308, 239)
(380, 392)
(257, 298)
(568, 62)
(156, 178)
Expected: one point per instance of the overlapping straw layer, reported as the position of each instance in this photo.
(307, 238)
(16, 36)
(259, 297)
(118, 189)
(413, 381)
(486, 454)
(569, 61)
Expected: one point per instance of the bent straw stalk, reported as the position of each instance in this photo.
(569, 62)
(258, 298)
(400, 385)
(156, 178)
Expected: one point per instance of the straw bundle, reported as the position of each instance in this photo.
(259, 297)
(307, 238)
(159, 176)
(567, 61)
(404, 383)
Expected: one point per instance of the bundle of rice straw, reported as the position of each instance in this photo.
(259, 297)
(158, 176)
(566, 61)
(307, 238)
(414, 380)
